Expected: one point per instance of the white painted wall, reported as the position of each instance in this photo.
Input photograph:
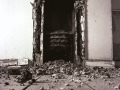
(16, 29)
(99, 30)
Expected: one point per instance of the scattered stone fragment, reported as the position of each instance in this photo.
(30, 81)
(41, 88)
(108, 75)
(3, 76)
(48, 88)
(105, 80)
(47, 80)
(52, 87)
(117, 87)
(71, 89)
(55, 81)
(54, 75)
(78, 81)
(61, 88)
(79, 85)
(33, 80)
(21, 84)
(58, 76)
(61, 71)
(15, 76)
(67, 84)
(6, 83)
(89, 79)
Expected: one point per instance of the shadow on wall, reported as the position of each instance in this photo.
(86, 31)
(117, 64)
(116, 34)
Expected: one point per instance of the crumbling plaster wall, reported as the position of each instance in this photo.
(99, 28)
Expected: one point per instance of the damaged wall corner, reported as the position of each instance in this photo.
(36, 16)
(80, 32)
(38, 31)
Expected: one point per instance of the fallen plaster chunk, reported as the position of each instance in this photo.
(117, 87)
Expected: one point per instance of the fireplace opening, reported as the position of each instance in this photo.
(58, 40)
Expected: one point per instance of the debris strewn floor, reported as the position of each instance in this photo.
(66, 76)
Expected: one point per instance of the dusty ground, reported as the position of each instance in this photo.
(49, 83)
(95, 78)
(13, 85)
(68, 83)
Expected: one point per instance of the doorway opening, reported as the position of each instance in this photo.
(58, 38)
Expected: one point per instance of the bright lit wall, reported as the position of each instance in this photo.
(99, 26)
(16, 29)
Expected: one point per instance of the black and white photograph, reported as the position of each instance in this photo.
(59, 44)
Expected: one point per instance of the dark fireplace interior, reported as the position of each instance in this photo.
(58, 37)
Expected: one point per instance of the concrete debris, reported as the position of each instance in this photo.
(79, 85)
(110, 83)
(68, 68)
(6, 83)
(62, 88)
(41, 88)
(57, 73)
(89, 79)
(25, 75)
(58, 76)
(71, 89)
(33, 80)
(105, 80)
(67, 84)
(79, 81)
(50, 68)
(117, 87)
(30, 81)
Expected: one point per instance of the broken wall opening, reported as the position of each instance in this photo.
(58, 30)
(58, 34)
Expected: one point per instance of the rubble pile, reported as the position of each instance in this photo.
(25, 75)
(69, 68)
(68, 73)
(50, 68)
(80, 74)
(17, 73)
